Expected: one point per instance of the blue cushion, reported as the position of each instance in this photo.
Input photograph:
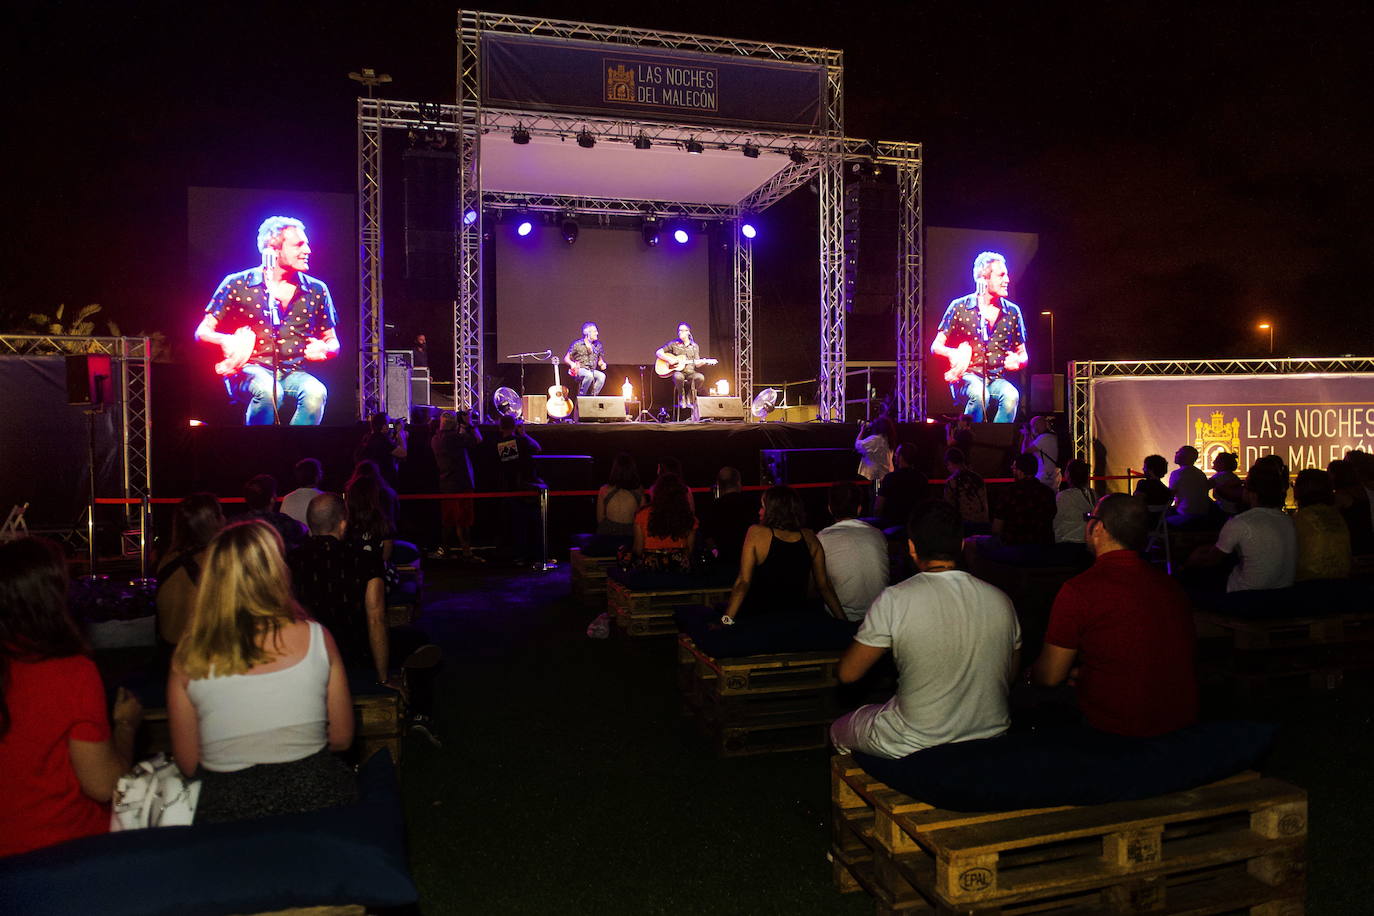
(350, 855)
(1310, 598)
(818, 633)
(1072, 766)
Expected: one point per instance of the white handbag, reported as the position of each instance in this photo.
(154, 794)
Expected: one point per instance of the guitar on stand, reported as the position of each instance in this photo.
(664, 368)
(559, 407)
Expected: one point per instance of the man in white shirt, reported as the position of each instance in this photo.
(956, 643)
(1262, 538)
(308, 475)
(1039, 440)
(1190, 486)
(855, 553)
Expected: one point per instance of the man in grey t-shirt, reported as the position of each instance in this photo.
(956, 643)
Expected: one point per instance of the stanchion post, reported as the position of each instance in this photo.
(545, 561)
(145, 507)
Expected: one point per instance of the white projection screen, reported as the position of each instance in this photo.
(546, 288)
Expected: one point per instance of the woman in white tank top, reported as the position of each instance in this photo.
(257, 696)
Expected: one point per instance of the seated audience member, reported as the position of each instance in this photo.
(728, 517)
(1189, 486)
(780, 560)
(902, 490)
(1353, 502)
(1151, 488)
(1039, 440)
(258, 697)
(665, 530)
(1261, 539)
(959, 434)
(451, 448)
(1025, 513)
(1228, 492)
(620, 498)
(966, 492)
(194, 524)
(383, 446)
(342, 585)
(369, 524)
(1128, 630)
(670, 465)
(956, 644)
(391, 504)
(1071, 503)
(855, 552)
(1323, 538)
(259, 494)
(875, 444)
(307, 473)
(59, 756)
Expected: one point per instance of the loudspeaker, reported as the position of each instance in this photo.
(428, 182)
(807, 465)
(1047, 394)
(88, 380)
(419, 385)
(718, 408)
(536, 408)
(398, 382)
(601, 409)
(871, 204)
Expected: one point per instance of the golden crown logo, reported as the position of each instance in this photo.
(620, 84)
(1217, 435)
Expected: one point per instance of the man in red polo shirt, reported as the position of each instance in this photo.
(1127, 627)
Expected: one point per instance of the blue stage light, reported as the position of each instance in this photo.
(469, 217)
(680, 236)
(747, 230)
(525, 228)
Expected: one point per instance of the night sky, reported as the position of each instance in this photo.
(1191, 168)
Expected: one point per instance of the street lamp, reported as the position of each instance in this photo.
(1267, 326)
(1050, 315)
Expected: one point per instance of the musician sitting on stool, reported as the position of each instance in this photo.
(587, 361)
(682, 355)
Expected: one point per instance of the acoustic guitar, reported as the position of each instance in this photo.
(559, 406)
(666, 367)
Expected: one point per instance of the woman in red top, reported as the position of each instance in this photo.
(56, 751)
(665, 530)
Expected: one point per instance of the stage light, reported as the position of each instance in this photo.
(570, 228)
(747, 229)
(797, 156)
(652, 231)
(750, 151)
(722, 389)
(525, 226)
(469, 217)
(194, 423)
(694, 147)
(681, 235)
(519, 136)
(642, 142)
(585, 139)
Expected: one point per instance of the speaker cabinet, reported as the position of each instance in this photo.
(398, 382)
(600, 409)
(89, 380)
(717, 408)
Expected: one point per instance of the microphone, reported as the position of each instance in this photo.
(269, 267)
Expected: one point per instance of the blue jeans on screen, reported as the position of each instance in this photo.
(1000, 392)
(589, 382)
(254, 384)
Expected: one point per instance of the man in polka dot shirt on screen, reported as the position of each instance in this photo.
(268, 322)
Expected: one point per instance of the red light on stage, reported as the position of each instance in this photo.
(195, 423)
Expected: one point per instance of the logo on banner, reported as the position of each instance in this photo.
(1303, 435)
(662, 85)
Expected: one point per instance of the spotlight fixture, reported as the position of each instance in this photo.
(570, 228)
(747, 228)
(642, 142)
(469, 217)
(750, 151)
(681, 235)
(694, 147)
(652, 231)
(797, 156)
(519, 136)
(523, 224)
(585, 139)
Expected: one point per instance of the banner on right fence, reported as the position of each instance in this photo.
(1307, 420)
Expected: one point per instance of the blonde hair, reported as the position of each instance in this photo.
(244, 594)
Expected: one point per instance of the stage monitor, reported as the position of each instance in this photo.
(601, 409)
(718, 408)
(636, 294)
(962, 381)
(229, 369)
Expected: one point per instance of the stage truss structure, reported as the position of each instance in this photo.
(132, 359)
(826, 152)
(1083, 374)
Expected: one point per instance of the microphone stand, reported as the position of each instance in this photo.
(268, 269)
(521, 357)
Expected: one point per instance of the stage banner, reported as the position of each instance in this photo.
(1307, 420)
(608, 79)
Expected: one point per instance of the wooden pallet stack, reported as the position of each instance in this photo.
(1303, 651)
(649, 612)
(759, 704)
(1235, 845)
(589, 577)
